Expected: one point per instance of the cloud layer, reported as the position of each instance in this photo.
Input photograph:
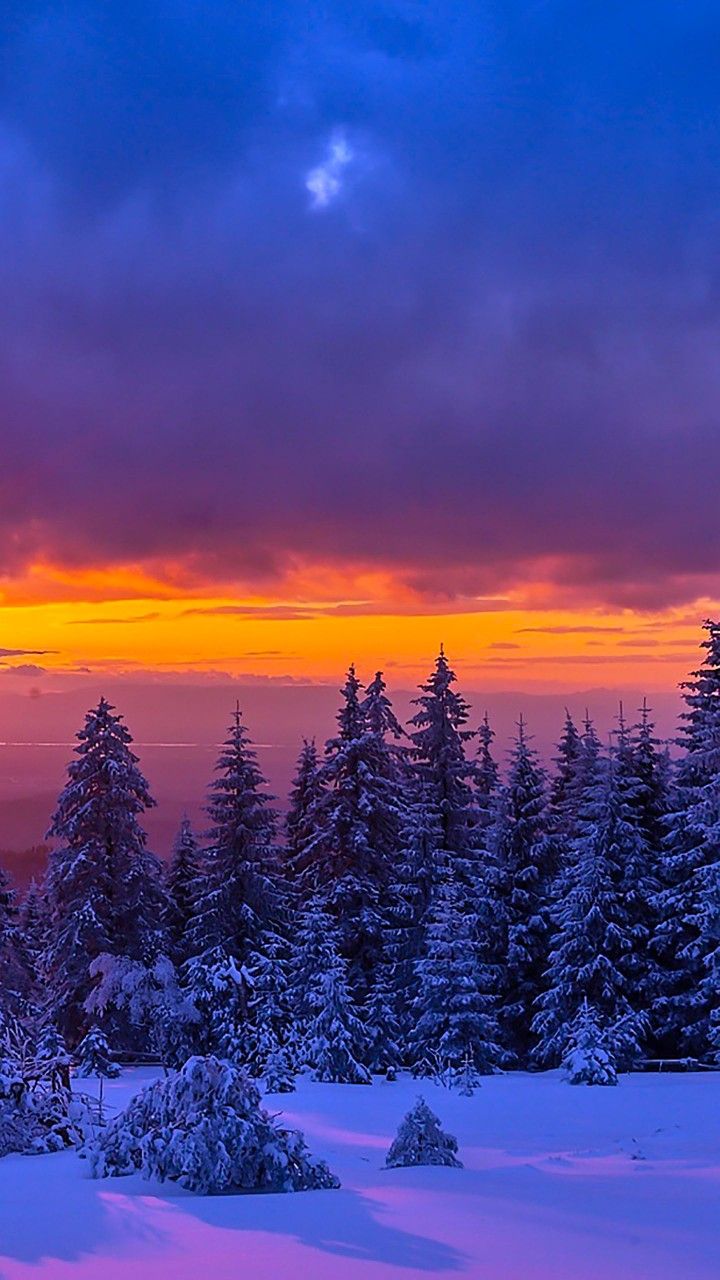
(432, 289)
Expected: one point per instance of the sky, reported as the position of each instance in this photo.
(331, 331)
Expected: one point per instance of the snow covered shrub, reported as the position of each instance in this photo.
(587, 1060)
(420, 1140)
(35, 1117)
(204, 1128)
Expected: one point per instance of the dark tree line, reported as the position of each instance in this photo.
(418, 907)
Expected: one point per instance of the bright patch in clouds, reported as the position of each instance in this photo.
(324, 182)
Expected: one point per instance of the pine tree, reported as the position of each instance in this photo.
(587, 1060)
(527, 862)
(356, 825)
(455, 1009)
(103, 887)
(183, 884)
(304, 796)
(593, 940)
(240, 893)
(568, 765)
(639, 801)
(420, 1141)
(95, 1059)
(334, 1043)
(378, 714)
(383, 1031)
(683, 939)
(487, 774)
(94, 1056)
(445, 774)
(16, 968)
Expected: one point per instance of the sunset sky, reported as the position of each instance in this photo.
(332, 332)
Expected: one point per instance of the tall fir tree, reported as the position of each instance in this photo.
(455, 1009)
(445, 774)
(355, 825)
(239, 891)
(103, 887)
(567, 766)
(183, 882)
(487, 774)
(16, 967)
(683, 943)
(307, 787)
(634, 769)
(527, 861)
(588, 960)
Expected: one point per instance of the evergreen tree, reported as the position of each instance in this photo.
(94, 1057)
(335, 1044)
(183, 883)
(445, 774)
(31, 931)
(304, 796)
(587, 1060)
(420, 1141)
(593, 940)
(653, 769)
(383, 1030)
(639, 803)
(487, 774)
(376, 707)
(103, 887)
(455, 1009)
(356, 825)
(564, 784)
(527, 860)
(239, 894)
(683, 940)
(16, 976)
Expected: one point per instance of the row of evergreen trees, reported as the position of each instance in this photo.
(419, 909)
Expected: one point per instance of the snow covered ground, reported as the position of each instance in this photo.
(559, 1183)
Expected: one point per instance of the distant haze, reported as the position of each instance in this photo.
(177, 730)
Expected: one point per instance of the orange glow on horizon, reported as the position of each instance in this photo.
(129, 620)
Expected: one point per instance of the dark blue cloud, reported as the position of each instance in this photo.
(490, 353)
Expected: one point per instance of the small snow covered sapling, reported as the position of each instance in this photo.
(205, 1129)
(95, 1059)
(420, 1140)
(587, 1060)
(278, 1075)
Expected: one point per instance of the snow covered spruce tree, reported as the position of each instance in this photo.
(634, 770)
(420, 1141)
(16, 962)
(94, 1059)
(684, 939)
(527, 859)
(304, 795)
(239, 904)
(182, 884)
(563, 788)
(103, 888)
(444, 773)
(354, 827)
(94, 1056)
(588, 959)
(204, 1128)
(454, 1014)
(587, 1060)
(487, 774)
(334, 1043)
